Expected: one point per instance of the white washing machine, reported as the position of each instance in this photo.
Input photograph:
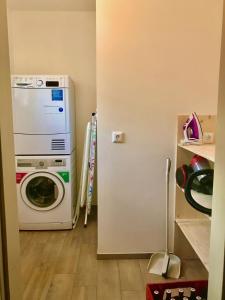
(43, 114)
(46, 192)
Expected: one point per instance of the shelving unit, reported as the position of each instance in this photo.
(192, 228)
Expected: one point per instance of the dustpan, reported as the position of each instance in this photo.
(164, 263)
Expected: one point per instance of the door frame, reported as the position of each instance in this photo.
(9, 216)
(4, 278)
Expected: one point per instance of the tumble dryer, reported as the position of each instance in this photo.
(43, 114)
(46, 192)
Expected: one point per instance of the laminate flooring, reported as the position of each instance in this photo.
(62, 265)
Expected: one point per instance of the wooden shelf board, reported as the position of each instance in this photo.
(205, 150)
(197, 232)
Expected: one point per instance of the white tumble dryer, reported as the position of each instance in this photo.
(43, 114)
(46, 192)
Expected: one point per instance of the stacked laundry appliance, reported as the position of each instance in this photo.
(43, 124)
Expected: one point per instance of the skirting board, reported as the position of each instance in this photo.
(123, 256)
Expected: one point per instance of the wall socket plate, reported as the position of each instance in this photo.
(117, 137)
(208, 137)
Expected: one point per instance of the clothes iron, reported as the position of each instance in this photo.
(192, 130)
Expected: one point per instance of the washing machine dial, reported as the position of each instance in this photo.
(41, 164)
(40, 82)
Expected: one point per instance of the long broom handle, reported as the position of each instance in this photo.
(168, 167)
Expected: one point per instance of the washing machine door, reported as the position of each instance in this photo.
(42, 191)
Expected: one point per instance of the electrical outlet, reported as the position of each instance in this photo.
(208, 137)
(117, 137)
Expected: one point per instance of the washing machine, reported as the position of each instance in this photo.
(43, 114)
(46, 192)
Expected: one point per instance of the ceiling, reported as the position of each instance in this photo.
(54, 5)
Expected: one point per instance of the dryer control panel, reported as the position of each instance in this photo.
(41, 163)
(40, 81)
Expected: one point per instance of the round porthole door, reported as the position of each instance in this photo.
(42, 191)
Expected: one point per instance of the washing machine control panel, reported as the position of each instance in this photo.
(40, 163)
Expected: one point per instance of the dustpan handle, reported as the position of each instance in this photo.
(168, 167)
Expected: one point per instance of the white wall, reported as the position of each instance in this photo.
(51, 5)
(60, 42)
(155, 59)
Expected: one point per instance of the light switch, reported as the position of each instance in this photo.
(117, 137)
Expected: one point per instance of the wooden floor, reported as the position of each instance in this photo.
(62, 265)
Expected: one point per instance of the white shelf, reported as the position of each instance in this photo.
(205, 150)
(197, 232)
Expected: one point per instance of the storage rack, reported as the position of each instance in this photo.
(192, 228)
